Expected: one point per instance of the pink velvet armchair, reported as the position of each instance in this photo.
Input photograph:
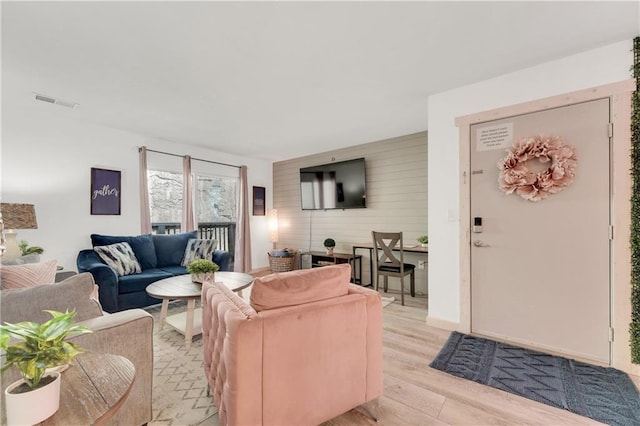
(307, 349)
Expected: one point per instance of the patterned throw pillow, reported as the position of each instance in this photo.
(142, 246)
(120, 257)
(198, 249)
(28, 275)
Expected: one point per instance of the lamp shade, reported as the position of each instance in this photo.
(18, 216)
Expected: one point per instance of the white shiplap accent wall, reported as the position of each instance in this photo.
(396, 200)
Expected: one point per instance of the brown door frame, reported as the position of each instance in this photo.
(620, 95)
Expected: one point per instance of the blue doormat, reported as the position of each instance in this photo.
(600, 393)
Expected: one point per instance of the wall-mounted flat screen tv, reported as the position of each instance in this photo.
(339, 185)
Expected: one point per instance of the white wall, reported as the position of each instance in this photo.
(588, 69)
(46, 157)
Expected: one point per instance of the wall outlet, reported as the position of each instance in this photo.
(421, 264)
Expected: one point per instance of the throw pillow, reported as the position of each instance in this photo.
(198, 249)
(142, 246)
(170, 248)
(28, 275)
(300, 286)
(120, 257)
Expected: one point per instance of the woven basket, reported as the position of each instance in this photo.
(281, 263)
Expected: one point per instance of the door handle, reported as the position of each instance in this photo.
(478, 243)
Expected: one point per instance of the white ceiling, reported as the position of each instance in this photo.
(279, 80)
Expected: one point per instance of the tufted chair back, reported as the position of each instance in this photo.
(320, 340)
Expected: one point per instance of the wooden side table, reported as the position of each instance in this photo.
(321, 258)
(62, 275)
(92, 389)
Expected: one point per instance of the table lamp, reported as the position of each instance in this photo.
(16, 216)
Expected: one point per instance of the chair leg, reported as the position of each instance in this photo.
(413, 283)
(402, 290)
(377, 278)
(371, 409)
(386, 283)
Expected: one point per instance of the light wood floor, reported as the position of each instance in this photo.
(415, 394)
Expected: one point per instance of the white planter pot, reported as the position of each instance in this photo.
(32, 407)
(202, 277)
(424, 245)
(31, 258)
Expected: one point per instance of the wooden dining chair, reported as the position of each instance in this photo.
(388, 265)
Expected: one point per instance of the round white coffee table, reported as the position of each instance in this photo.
(182, 288)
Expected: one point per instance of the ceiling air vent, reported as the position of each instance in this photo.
(55, 101)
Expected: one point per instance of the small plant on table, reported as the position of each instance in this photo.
(329, 244)
(202, 270)
(25, 249)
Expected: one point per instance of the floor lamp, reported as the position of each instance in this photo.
(273, 226)
(16, 216)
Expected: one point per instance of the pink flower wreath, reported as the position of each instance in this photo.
(514, 175)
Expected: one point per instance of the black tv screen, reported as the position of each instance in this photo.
(339, 185)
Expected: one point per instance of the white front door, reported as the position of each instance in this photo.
(540, 270)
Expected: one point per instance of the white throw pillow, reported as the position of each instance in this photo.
(120, 257)
(198, 249)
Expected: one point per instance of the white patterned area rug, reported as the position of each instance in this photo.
(179, 384)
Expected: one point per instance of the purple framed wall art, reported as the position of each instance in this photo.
(259, 201)
(105, 191)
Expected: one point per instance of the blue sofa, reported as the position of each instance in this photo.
(159, 257)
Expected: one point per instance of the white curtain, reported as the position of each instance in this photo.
(242, 261)
(188, 219)
(145, 211)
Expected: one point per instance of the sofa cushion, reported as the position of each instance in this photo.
(139, 282)
(300, 286)
(142, 246)
(198, 249)
(120, 257)
(27, 275)
(170, 248)
(174, 270)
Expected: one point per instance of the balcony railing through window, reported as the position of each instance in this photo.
(223, 232)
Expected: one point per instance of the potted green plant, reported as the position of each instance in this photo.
(329, 244)
(202, 270)
(30, 253)
(423, 240)
(36, 396)
(25, 249)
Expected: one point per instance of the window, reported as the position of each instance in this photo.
(215, 205)
(216, 199)
(165, 201)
